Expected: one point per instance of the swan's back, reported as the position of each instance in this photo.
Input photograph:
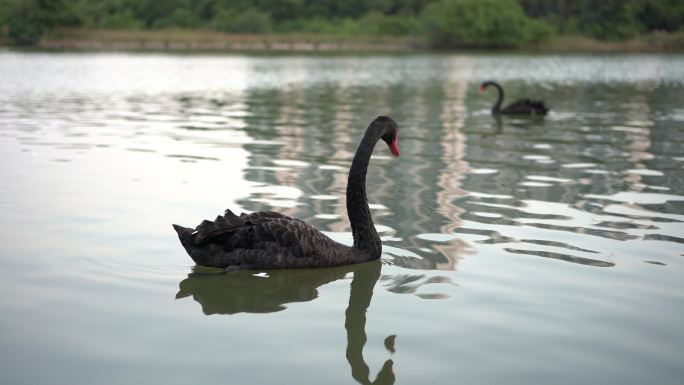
(526, 107)
(261, 240)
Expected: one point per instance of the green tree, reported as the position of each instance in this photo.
(662, 15)
(179, 17)
(480, 23)
(25, 26)
(124, 19)
(608, 19)
(27, 20)
(247, 21)
(380, 24)
(447, 23)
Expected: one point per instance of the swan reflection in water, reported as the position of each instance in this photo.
(243, 291)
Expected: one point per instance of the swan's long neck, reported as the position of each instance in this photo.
(366, 238)
(497, 106)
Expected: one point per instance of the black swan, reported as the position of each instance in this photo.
(268, 240)
(519, 107)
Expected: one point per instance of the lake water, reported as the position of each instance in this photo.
(518, 251)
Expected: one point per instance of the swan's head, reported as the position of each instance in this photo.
(486, 84)
(390, 132)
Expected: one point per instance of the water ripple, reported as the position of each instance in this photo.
(563, 257)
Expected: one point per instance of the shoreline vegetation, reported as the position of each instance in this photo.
(192, 40)
(177, 40)
(345, 25)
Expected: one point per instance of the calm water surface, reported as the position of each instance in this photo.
(515, 251)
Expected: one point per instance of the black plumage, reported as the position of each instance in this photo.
(519, 107)
(269, 240)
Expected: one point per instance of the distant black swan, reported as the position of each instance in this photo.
(268, 240)
(519, 107)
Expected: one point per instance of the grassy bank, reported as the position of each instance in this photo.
(198, 40)
(192, 40)
(653, 42)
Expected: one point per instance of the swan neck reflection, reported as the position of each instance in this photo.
(247, 292)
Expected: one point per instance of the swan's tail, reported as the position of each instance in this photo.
(182, 231)
(184, 234)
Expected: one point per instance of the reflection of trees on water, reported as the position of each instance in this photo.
(453, 145)
(612, 127)
(666, 139)
(243, 291)
(596, 145)
(305, 138)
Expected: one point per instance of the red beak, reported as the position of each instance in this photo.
(482, 88)
(393, 147)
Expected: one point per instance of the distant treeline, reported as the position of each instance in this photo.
(443, 23)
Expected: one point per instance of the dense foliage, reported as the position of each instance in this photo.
(609, 19)
(451, 23)
(444, 22)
